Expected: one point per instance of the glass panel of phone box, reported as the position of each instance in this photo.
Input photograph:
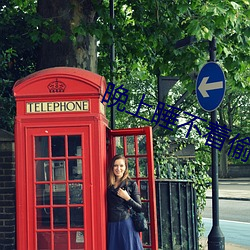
(59, 192)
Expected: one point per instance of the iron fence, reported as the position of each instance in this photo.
(176, 211)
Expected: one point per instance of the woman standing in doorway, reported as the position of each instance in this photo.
(122, 195)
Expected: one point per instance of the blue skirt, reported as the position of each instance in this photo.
(122, 236)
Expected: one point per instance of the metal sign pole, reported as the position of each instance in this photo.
(216, 240)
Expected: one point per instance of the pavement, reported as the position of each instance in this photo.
(230, 194)
(242, 194)
(228, 246)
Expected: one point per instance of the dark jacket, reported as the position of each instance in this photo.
(118, 208)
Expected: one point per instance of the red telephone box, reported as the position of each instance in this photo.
(61, 159)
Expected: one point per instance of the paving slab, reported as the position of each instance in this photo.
(228, 246)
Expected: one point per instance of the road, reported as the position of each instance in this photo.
(234, 212)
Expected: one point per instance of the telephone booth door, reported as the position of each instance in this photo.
(137, 146)
(59, 188)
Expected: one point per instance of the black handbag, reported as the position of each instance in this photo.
(140, 222)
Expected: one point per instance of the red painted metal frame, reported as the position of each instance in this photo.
(80, 85)
(147, 131)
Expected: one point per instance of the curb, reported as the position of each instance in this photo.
(230, 198)
(243, 179)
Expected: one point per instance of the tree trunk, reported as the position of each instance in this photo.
(223, 166)
(75, 49)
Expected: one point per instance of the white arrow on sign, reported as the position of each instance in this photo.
(204, 86)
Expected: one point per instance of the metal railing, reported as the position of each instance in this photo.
(176, 211)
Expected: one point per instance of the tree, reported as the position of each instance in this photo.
(65, 33)
(68, 40)
(156, 26)
(234, 113)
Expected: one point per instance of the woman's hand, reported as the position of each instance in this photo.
(123, 194)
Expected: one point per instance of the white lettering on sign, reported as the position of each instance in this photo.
(49, 107)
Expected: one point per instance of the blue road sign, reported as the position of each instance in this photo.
(210, 86)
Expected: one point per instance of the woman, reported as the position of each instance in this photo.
(122, 195)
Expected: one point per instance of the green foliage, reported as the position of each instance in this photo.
(145, 36)
(148, 31)
(15, 32)
(137, 79)
(7, 106)
(194, 170)
(17, 54)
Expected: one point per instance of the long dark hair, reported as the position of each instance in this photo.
(111, 175)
